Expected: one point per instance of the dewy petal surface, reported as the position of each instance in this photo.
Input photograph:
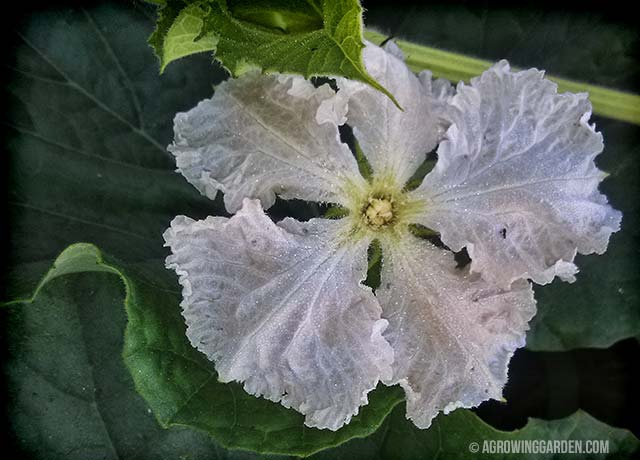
(515, 180)
(452, 333)
(280, 307)
(262, 135)
(394, 141)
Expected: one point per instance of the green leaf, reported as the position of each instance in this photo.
(88, 120)
(452, 436)
(179, 32)
(601, 307)
(180, 384)
(87, 124)
(69, 323)
(310, 38)
(71, 396)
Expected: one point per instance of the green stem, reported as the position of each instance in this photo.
(455, 67)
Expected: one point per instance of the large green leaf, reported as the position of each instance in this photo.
(67, 322)
(307, 37)
(179, 383)
(601, 307)
(87, 124)
(456, 436)
(71, 397)
(89, 119)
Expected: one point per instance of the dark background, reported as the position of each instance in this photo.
(545, 385)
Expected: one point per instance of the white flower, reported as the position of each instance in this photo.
(280, 306)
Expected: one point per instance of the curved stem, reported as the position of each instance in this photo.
(456, 67)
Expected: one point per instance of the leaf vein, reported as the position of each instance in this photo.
(80, 220)
(92, 97)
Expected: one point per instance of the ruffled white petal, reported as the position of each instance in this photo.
(280, 307)
(262, 135)
(452, 333)
(515, 180)
(394, 141)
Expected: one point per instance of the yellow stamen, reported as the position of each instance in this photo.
(379, 212)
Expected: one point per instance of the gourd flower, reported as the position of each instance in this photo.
(281, 306)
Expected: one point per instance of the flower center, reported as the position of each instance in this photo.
(378, 211)
(381, 209)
